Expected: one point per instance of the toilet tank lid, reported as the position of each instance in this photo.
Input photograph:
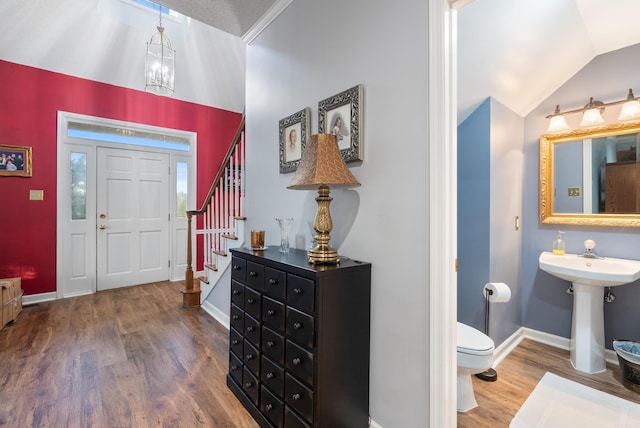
(470, 339)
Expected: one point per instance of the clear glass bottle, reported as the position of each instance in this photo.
(558, 245)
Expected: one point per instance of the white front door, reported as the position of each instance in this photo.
(132, 217)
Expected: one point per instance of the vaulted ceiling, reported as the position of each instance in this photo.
(518, 52)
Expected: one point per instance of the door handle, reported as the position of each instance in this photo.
(102, 227)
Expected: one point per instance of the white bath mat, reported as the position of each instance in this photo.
(558, 402)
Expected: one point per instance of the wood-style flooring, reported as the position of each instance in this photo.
(520, 372)
(131, 357)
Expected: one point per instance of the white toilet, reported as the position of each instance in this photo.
(475, 355)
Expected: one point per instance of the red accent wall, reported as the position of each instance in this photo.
(29, 101)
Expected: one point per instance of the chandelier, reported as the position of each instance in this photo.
(160, 63)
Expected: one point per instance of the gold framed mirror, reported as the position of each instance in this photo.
(591, 176)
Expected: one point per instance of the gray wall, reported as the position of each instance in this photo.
(314, 50)
(546, 306)
(490, 165)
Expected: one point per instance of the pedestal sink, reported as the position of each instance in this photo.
(589, 276)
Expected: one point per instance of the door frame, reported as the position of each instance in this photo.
(442, 84)
(66, 271)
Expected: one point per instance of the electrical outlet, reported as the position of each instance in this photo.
(574, 191)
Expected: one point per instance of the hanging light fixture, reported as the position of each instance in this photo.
(631, 108)
(160, 63)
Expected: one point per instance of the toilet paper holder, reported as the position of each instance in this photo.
(496, 292)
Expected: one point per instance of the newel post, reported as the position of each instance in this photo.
(190, 296)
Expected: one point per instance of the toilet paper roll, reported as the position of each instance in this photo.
(498, 292)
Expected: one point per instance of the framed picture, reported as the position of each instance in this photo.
(15, 161)
(293, 138)
(341, 115)
(234, 177)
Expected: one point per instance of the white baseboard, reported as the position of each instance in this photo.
(562, 342)
(33, 299)
(216, 313)
(505, 348)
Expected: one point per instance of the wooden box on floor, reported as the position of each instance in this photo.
(11, 304)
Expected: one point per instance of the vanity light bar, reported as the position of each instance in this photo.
(592, 112)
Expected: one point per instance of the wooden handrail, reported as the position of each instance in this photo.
(190, 295)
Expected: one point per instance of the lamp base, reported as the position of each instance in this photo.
(318, 255)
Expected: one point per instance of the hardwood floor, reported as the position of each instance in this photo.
(519, 373)
(131, 357)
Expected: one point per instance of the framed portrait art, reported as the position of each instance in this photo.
(293, 138)
(341, 115)
(15, 161)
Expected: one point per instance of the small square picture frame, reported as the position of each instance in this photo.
(341, 115)
(293, 131)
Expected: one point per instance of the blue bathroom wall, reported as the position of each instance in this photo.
(474, 162)
(546, 305)
(490, 164)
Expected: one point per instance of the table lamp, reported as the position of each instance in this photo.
(322, 167)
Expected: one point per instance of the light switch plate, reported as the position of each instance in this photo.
(574, 191)
(36, 195)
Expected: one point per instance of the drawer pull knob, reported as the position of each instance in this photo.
(271, 344)
(253, 274)
(234, 368)
(236, 292)
(296, 397)
(272, 281)
(297, 325)
(250, 301)
(297, 291)
(249, 329)
(270, 375)
(249, 356)
(248, 384)
(236, 267)
(268, 407)
(296, 361)
(236, 317)
(234, 342)
(271, 312)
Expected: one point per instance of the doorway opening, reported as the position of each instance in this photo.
(122, 191)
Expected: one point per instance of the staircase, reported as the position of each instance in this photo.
(222, 224)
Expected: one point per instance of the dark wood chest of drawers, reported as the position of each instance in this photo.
(299, 339)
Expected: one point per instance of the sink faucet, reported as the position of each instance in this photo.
(589, 245)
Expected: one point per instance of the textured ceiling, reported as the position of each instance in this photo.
(232, 16)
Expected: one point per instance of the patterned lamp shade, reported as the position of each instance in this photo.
(322, 163)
